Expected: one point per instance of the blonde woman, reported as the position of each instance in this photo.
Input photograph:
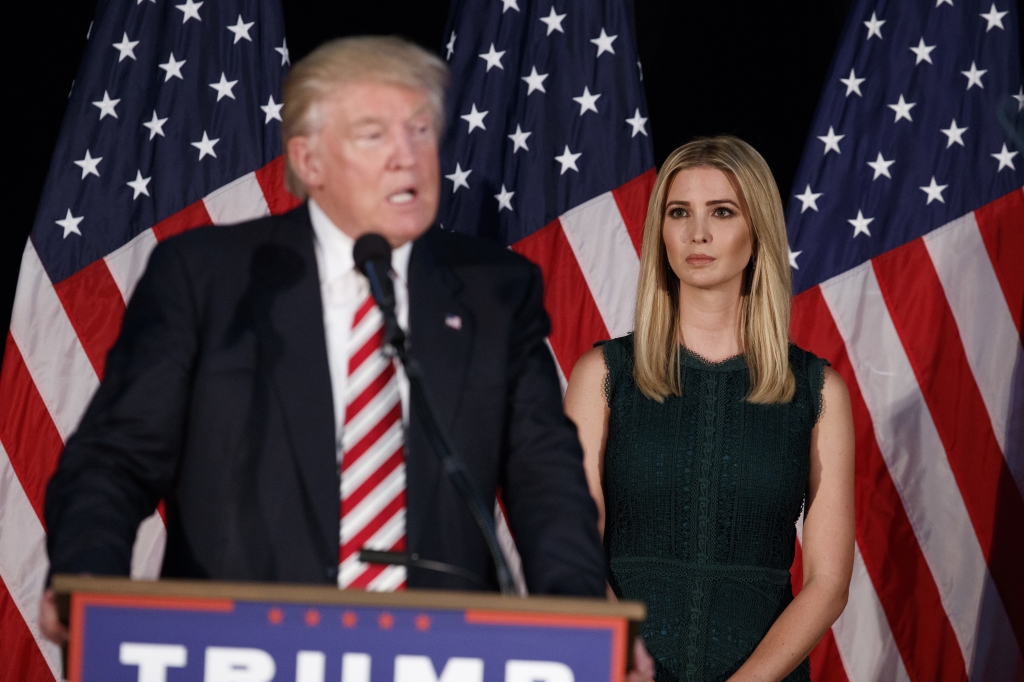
(705, 433)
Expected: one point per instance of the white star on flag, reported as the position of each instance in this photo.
(283, 51)
(519, 139)
(568, 160)
(923, 52)
(553, 21)
(586, 101)
(139, 185)
(1020, 98)
(223, 87)
(155, 125)
(172, 68)
(852, 83)
(994, 18)
(493, 58)
(475, 119)
(509, 4)
(241, 29)
(535, 81)
(88, 165)
(1005, 158)
(809, 199)
(874, 27)
(934, 192)
(190, 9)
(205, 146)
(637, 122)
(450, 46)
(831, 141)
(459, 178)
(940, 2)
(70, 224)
(860, 224)
(272, 110)
(106, 106)
(974, 76)
(955, 135)
(881, 166)
(792, 258)
(504, 199)
(604, 43)
(902, 109)
(126, 48)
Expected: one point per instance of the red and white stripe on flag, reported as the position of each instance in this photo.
(53, 361)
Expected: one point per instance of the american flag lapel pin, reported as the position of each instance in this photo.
(453, 321)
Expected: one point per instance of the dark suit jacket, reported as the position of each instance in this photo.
(217, 399)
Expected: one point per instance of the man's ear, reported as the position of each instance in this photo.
(305, 161)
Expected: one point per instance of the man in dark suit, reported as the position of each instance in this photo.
(229, 391)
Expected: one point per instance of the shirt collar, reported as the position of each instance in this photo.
(335, 248)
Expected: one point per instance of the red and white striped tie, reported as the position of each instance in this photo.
(373, 459)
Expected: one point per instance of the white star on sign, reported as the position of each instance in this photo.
(535, 81)
(934, 192)
(553, 21)
(974, 76)
(604, 42)
(493, 58)
(509, 4)
(70, 224)
(126, 48)
(586, 101)
(923, 52)
(459, 178)
(475, 119)
(809, 199)
(223, 87)
(139, 185)
(568, 160)
(831, 141)
(519, 139)
(88, 165)
(205, 146)
(874, 27)
(792, 258)
(190, 9)
(504, 199)
(1020, 98)
(638, 122)
(155, 125)
(994, 18)
(241, 30)
(860, 224)
(106, 106)
(902, 109)
(852, 83)
(1005, 158)
(283, 51)
(954, 134)
(881, 166)
(450, 46)
(172, 68)
(272, 110)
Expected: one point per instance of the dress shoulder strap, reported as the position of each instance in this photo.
(618, 358)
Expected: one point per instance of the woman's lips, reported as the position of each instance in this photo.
(699, 259)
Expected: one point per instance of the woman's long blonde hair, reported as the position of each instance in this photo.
(764, 325)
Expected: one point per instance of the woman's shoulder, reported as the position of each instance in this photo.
(810, 372)
(616, 352)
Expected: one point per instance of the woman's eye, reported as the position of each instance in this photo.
(722, 212)
(676, 213)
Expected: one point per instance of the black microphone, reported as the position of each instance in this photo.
(372, 255)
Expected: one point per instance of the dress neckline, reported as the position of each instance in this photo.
(697, 361)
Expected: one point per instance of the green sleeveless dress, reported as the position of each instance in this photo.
(702, 493)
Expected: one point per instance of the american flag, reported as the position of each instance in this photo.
(906, 234)
(548, 151)
(172, 123)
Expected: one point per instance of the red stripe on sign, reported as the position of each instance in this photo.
(1000, 223)
(826, 665)
(894, 560)
(27, 432)
(271, 179)
(95, 307)
(928, 331)
(632, 199)
(576, 323)
(186, 219)
(22, 661)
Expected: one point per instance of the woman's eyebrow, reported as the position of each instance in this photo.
(714, 202)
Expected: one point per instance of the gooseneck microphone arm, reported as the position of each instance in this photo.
(372, 255)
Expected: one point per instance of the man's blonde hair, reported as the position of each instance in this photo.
(376, 59)
(764, 325)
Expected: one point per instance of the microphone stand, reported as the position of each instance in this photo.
(439, 441)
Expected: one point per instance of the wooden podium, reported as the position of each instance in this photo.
(185, 631)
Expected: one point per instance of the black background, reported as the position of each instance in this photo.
(753, 69)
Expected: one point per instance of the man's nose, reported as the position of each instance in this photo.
(403, 154)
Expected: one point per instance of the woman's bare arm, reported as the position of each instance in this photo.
(586, 405)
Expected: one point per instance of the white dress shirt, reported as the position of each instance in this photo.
(342, 289)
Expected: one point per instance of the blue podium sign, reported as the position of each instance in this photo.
(405, 637)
